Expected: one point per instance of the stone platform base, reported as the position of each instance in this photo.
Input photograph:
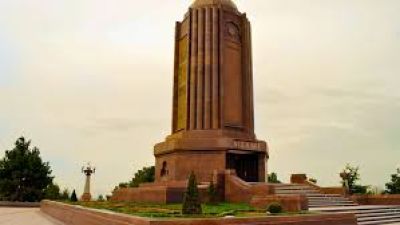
(76, 215)
(230, 189)
(86, 197)
(162, 193)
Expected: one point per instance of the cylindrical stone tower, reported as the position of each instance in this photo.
(213, 112)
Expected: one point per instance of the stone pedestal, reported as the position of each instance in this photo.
(86, 197)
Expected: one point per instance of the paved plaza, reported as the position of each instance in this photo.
(25, 216)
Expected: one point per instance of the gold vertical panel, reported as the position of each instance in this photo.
(182, 84)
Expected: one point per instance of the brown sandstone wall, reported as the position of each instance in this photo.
(376, 199)
(75, 215)
(180, 164)
(289, 203)
(338, 219)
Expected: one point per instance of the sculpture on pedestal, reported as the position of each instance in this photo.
(88, 170)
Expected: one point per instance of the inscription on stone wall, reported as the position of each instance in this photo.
(182, 84)
(244, 145)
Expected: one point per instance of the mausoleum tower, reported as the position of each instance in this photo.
(213, 112)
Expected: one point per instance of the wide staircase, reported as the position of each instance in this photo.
(335, 203)
(316, 199)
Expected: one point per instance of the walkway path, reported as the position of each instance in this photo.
(25, 216)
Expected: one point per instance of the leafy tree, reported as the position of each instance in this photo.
(273, 178)
(351, 177)
(121, 185)
(100, 198)
(191, 199)
(73, 197)
(393, 187)
(23, 174)
(52, 192)
(145, 175)
(65, 195)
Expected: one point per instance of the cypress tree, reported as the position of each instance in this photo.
(191, 198)
(73, 197)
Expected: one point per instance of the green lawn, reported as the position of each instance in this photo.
(174, 210)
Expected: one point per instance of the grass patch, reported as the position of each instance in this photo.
(150, 210)
(173, 210)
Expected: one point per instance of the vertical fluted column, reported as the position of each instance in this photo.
(200, 70)
(215, 68)
(176, 74)
(250, 66)
(207, 68)
(193, 69)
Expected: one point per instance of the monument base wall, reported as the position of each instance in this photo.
(178, 165)
(204, 151)
(292, 203)
(76, 215)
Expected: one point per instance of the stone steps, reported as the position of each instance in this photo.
(316, 199)
(370, 215)
(331, 205)
(334, 203)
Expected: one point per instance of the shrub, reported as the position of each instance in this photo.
(191, 199)
(275, 208)
(273, 178)
(212, 193)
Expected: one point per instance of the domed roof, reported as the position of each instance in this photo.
(202, 3)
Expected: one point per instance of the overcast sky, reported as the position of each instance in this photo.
(91, 80)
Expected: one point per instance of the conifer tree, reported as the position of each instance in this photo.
(23, 175)
(191, 199)
(73, 197)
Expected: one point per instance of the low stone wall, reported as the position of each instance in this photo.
(152, 193)
(334, 190)
(239, 191)
(292, 203)
(76, 215)
(376, 199)
(302, 179)
(20, 204)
